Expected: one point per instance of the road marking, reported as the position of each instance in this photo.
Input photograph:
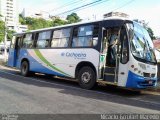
(137, 99)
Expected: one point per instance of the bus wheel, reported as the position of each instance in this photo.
(87, 78)
(25, 68)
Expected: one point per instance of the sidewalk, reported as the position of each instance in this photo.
(2, 61)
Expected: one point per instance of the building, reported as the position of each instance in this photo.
(157, 49)
(27, 12)
(9, 12)
(156, 43)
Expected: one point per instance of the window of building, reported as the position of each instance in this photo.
(61, 38)
(28, 41)
(43, 39)
(85, 36)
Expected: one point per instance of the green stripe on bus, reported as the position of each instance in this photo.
(38, 53)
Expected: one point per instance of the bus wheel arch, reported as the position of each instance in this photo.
(25, 67)
(86, 75)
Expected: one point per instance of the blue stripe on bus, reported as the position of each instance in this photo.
(136, 81)
(35, 65)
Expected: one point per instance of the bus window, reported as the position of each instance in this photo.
(43, 39)
(28, 41)
(95, 34)
(61, 38)
(85, 36)
(13, 42)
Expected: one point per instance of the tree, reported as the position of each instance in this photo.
(10, 34)
(22, 19)
(58, 21)
(2, 30)
(151, 34)
(37, 23)
(73, 18)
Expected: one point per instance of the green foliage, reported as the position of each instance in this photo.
(73, 18)
(34, 23)
(58, 21)
(150, 31)
(37, 23)
(2, 30)
(10, 34)
(22, 20)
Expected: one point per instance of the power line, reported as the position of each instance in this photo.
(90, 5)
(78, 8)
(65, 5)
(127, 3)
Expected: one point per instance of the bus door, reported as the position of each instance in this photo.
(103, 53)
(109, 62)
(123, 58)
(14, 51)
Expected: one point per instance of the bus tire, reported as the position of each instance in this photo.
(87, 77)
(25, 69)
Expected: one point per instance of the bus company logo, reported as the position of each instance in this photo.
(62, 54)
(74, 55)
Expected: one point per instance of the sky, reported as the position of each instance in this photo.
(147, 10)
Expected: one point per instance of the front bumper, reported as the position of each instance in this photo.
(136, 81)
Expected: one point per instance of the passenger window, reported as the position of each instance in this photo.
(28, 41)
(61, 38)
(43, 39)
(85, 36)
(13, 41)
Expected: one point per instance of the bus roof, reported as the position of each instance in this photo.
(74, 24)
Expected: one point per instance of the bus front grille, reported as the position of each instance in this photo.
(149, 75)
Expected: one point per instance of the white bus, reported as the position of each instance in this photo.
(113, 50)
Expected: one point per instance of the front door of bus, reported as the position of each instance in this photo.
(123, 58)
(14, 51)
(108, 61)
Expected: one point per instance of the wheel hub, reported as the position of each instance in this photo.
(86, 77)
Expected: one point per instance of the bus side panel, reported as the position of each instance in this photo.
(60, 62)
(35, 66)
(12, 59)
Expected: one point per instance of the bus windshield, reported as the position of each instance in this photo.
(141, 43)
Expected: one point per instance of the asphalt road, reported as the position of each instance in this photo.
(41, 94)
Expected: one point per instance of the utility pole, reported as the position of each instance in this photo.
(5, 41)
